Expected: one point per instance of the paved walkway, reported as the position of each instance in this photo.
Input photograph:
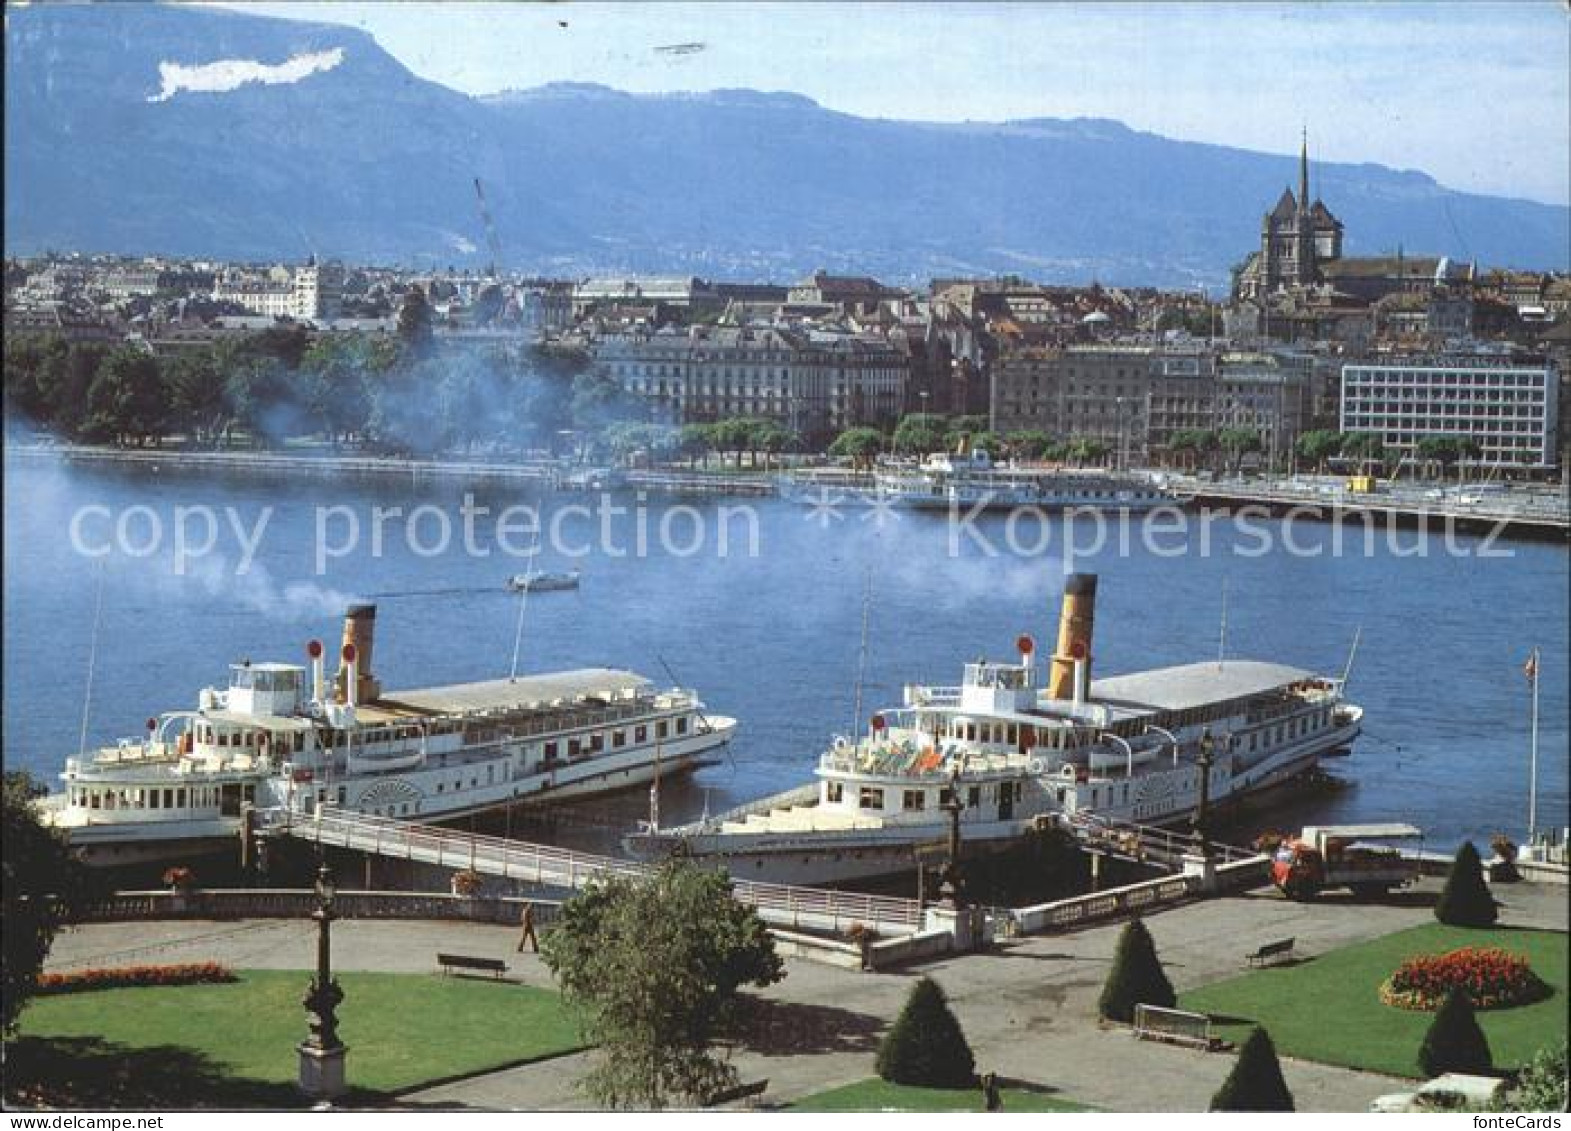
(1029, 1010)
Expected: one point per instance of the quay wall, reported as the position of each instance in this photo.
(543, 474)
(298, 903)
(1525, 523)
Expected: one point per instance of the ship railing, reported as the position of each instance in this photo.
(922, 696)
(1150, 840)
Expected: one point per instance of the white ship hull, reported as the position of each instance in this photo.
(967, 500)
(829, 856)
(123, 844)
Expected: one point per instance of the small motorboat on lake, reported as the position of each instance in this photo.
(540, 581)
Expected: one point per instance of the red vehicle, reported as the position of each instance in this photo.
(1331, 856)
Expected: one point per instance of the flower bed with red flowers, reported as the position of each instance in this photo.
(1492, 978)
(116, 977)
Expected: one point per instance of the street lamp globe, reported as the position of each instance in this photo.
(326, 887)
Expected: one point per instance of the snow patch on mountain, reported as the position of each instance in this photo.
(228, 74)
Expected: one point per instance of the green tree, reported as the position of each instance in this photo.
(264, 398)
(733, 435)
(988, 442)
(283, 341)
(1447, 451)
(961, 433)
(1087, 450)
(1193, 443)
(920, 433)
(28, 358)
(926, 1047)
(1454, 1042)
(339, 371)
(126, 401)
(772, 438)
(1255, 1083)
(1137, 977)
(64, 383)
(1317, 446)
(1365, 447)
(196, 394)
(697, 441)
(1237, 443)
(1540, 1084)
(1466, 901)
(41, 882)
(1030, 445)
(859, 445)
(654, 965)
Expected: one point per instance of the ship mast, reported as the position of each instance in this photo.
(861, 663)
(92, 663)
(523, 603)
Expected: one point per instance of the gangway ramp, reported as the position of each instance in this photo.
(779, 905)
(1145, 844)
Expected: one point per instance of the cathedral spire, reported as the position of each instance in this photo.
(1303, 171)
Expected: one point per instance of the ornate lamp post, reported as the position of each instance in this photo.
(1202, 814)
(322, 1053)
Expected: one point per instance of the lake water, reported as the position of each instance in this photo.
(775, 638)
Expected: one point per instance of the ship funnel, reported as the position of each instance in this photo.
(359, 634)
(313, 651)
(1074, 638)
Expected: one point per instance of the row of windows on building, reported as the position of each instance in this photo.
(1496, 378)
(1403, 429)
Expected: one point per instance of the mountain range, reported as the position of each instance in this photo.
(142, 128)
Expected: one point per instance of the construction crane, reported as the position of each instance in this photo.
(490, 231)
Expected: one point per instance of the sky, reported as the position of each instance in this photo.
(1478, 95)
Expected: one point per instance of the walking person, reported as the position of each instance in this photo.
(527, 935)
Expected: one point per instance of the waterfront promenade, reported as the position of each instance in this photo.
(1028, 1009)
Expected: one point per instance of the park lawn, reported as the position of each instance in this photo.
(880, 1095)
(1328, 1009)
(401, 1029)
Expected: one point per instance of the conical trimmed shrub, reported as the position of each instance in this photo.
(1466, 901)
(1256, 1083)
(1454, 1042)
(1137, 977)
(926, 1046)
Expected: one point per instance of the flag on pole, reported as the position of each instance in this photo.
(1530, 669)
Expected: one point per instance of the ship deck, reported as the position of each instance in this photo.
(801, 819)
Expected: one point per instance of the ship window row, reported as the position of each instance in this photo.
(1293, 728)
(576, 747)
(172, 797)
(210, 735)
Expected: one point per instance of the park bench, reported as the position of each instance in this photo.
(451, 962)
(1281, 949)
(1174, 1026)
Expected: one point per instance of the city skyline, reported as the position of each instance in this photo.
(1360, 78)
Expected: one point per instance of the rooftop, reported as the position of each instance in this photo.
(1195, 685)
(525, 693)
